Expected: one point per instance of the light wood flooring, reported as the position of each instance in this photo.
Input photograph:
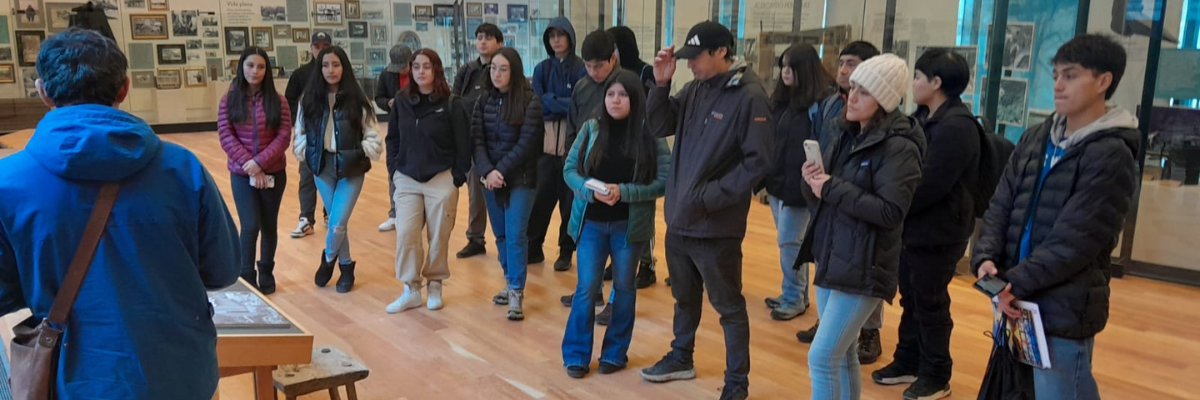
(468, 350)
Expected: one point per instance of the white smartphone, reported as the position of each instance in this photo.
(270, 181)
(812, 151)
(596, 186)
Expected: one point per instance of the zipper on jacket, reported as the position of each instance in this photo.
(255, 110)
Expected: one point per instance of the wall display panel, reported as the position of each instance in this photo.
(4, 38)
(402, 14)
(288, 58)
(358, 51)
(297, 10)
(141, 56)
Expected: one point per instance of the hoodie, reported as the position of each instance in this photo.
(627, 51)
(723, 135)
(169, 238)
(554, 78)
(1056, 215)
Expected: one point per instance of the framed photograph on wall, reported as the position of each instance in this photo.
(143, 79)
(491, 8)
(148, 26)
(423, 13)
(379, 34)
(6, 54)
(518, 13)
(168, 78)
(29, 14)
(353, 9)
(236, 40)
(328, 13)
(158, 5)
(8, 73)
(194, 77)
(185, 23)
(358, 29)
(1012, 101)
(300, 35)
(474, 9)
(283, 32)
(264, 38)
(443, 15)
(29, 43)
(58, 16)
(172, 54)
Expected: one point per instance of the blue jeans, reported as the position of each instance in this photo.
(833, 356)
(509, 225)
(1070, 374)
(598, 241)
(339, 195)
(790, 224)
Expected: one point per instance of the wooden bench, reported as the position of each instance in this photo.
(330, 369)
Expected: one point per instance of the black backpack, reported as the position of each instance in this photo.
(994, 152)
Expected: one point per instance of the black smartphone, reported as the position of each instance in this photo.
(990, 285)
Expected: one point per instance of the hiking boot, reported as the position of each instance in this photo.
(435, 295)
(346, 280)
(894, 374)
(564, 260)
(472, 249)
(535, 255)
(645, 276)
(773, 302)
(869, 348)
(806, 336)
(604, 316)
(566, 300)
(734, 393)
(324, 271)
(927, 389)
(515, 312)
(787, 312)
(304, 228)
(501, 299)
(577, 371)
(266, 277)
(669, 369)
(410, 299)
(607, 368)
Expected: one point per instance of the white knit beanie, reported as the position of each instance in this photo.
(885, 77)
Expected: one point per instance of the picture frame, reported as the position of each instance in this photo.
(142, 79)
(1012, 107)
(423, 13)
(58, 16)
(379, 34)
(194, 77)
(491, 8)
(158, 5)
(6, 54)
(328, 13)
(358, 30)
(518, 13)
(263, 37)
(301, 35)
(168, 78)
(443, 15)
(148, 26)
(282, 32)
(236, 40)
(29, 14)
(353, 9)
(171, 54)
(8, 73)
(474, 9)
(29, 43)
(185, 23)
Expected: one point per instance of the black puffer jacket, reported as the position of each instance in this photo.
(351, 159)
(1079, 213)
(854, 236)
(942, 211)
(785, 181)
(512, 150)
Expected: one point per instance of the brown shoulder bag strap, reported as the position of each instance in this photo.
(83, 255)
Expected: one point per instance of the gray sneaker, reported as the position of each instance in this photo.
(787, 312)
(501, 299)
(515, 312)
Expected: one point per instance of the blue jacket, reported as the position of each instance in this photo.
(142, 325)
(554, 79)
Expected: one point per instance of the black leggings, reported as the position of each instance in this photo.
(258, 210)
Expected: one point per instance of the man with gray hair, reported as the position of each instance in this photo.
(391, 80)
(142, 328)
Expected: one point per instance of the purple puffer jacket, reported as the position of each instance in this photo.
(251, 140)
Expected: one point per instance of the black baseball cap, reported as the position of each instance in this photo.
(707, 35)
(321, 37)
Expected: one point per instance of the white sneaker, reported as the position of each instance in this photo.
(304, 228)
(410, 299)
(388, 225)
(435, 295)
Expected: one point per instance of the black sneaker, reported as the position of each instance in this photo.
(606, 368)
(566, 300)
(563, 262)
(607, 273)
(645, 276)
(535, 256)
(734, 393)
(471, 250)
(577, 371)
(806, 336)
(869, 348)
(669, 369)
(894, 374)
(927, 389)
(603, 317)
(667, 281)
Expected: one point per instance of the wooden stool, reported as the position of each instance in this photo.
(330, 368)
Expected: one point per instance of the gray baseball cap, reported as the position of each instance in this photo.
(400, 55)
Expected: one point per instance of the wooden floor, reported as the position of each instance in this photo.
(469, 350)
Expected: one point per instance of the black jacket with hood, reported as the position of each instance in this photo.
(854, 234)
(943, 211)
(723, 136)
(627, 51)
(1071, 222)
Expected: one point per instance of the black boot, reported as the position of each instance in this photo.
(346, 281)
(324, 271)
(564, 260)
(266, 277)
(645, 276)
(250, 276)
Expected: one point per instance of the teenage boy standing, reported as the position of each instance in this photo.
(468, 85)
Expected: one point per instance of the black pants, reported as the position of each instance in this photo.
(716, 265)
(551, 189)
(925, 325)
(258, 210)
(308, 194)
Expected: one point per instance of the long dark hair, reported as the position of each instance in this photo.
(235, 101)
(518, 87)
(351, 98)
(441, 89)
(813, 82)
(639, 145)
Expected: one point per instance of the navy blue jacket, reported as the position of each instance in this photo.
(510, 149)
(554, 78)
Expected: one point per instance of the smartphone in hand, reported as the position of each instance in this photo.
(990, 285)
(812, 151)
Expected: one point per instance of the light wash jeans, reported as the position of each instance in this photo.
(1070, 374)
(790, 224)
(833, 356)
(510, 224)
(339, 195)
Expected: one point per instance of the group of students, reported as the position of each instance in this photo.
(887, 206)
